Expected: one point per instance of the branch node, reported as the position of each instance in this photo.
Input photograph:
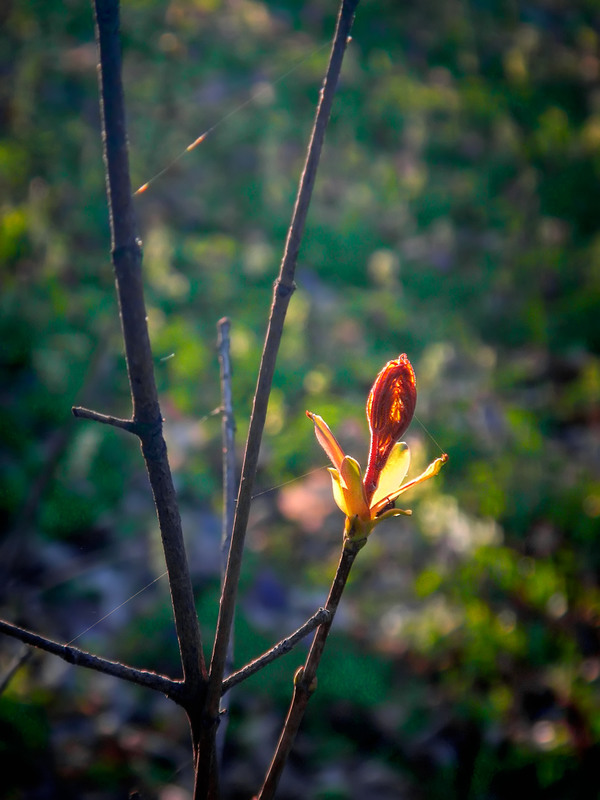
(283, 289)
(128, 251)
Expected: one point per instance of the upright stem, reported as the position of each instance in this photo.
(229, 486)
(284, 286)
(127, 260)
(305, 678)
(227, 440)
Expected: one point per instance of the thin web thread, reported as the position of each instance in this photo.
(428, 432)
(228, 115)
(112, 611)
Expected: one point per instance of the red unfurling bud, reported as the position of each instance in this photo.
(390, 409)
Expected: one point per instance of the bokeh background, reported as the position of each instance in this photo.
(455, 219)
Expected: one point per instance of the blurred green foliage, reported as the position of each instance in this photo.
(455, 219)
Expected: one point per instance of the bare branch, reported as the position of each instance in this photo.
(127, 258)
(95, 416)
(73, 655)
(229, 486)
(228, 440)
(284, 287)
(278, 650)
(304, 680)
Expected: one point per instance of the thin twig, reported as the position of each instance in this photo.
(228, 441)
(278, 650)
(284, 287)
(127, 259)
(73, 655)
(229, 485)
(305, 678)
(105, 419)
